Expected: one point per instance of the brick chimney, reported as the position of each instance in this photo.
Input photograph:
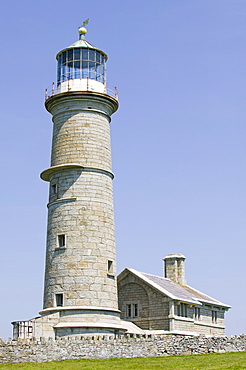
(174, 268)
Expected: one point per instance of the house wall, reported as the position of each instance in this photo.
(203, 325)
(206, 324)
(153, 307)
(155, 311)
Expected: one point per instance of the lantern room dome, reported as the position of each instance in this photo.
(83, 44)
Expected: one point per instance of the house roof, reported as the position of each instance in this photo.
(173, 290)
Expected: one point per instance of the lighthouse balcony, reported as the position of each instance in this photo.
(83, 84)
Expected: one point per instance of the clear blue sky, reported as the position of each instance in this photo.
(178, 140)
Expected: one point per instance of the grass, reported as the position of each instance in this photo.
(212, 361)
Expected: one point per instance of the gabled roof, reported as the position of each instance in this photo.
(173, 290)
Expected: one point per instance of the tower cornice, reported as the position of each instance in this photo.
(71, 95)
(45, 175)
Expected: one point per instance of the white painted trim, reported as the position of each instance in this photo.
(84, 324)
(156, 286)
(78, 308)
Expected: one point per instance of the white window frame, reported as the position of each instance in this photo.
(61, 241)
(214, 316)
(182, 310)
(132, 310)
(197, 313)
(57, 297)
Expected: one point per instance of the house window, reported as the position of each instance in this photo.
(214, 317)
(182, 310)
(59, 299)
(61, 241)
(132, 310)
(129, 310)
(197, 313)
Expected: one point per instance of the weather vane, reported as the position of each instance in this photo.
(85, 23)
(83, 30)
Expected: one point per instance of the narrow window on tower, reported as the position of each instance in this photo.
(59, 300)
(110, 267)
(62, 241)
(53, 189)
(110, 270)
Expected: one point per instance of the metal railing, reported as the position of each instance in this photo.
(22, 330)
(53, 90)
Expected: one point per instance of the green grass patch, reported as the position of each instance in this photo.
(212, 361)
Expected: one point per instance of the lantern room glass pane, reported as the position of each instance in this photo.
(63, 67)
(77, 69)
(76, 54)
(85, 74)
(98, 57)
(77, 73)
(85, 64)
(85, 54)
(92, 65)
(98, 68)
(63, 58)
(70, 55)
(92, 55)
(77, 64)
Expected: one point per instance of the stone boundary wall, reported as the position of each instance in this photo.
(42, 350)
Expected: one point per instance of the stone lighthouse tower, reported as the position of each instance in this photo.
(80, 294)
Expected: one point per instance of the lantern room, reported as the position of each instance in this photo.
(81, 67)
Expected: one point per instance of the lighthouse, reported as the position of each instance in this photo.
(80, 293)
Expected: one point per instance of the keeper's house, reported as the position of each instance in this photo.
(167, 304)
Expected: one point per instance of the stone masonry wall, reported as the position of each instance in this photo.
(85, 215)
(121, 347)
(80, 255)
(151, 316)
(81, 131)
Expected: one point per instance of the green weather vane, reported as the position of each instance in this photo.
(85, 23)
(83, 30)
